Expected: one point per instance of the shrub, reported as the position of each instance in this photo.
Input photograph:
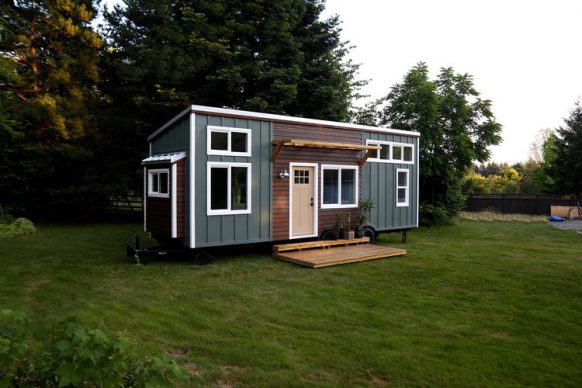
(75, 356)
(19, 227)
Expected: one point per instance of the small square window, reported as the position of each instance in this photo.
(219, 141)
(397, 152)
(408, 154)
(228, 141)
(238, 142)
(159, 183)
(384, 152)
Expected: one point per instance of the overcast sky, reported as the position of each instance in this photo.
(525, 56)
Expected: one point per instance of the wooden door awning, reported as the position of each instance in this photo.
(324, 144)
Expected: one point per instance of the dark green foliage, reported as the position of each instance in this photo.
(261, 55)
(456, 128)
(564, 160)
(73, 355)
(48, 74)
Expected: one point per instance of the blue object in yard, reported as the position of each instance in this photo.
(556, 219)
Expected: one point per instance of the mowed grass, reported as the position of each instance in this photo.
(472, 304)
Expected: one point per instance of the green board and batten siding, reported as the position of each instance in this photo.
(240, 228)
(174, 139)
(379, 184)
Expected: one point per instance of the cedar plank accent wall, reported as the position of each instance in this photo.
(281, 131)
(180, 198)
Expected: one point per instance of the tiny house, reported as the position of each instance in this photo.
(226, 177)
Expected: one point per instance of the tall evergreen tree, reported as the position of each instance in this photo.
(456, 128)
(566, 169)
(48, 72)
(262, 55)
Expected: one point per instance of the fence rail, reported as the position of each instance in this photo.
(519, 203)
(130, 204)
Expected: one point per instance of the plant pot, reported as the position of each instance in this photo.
(359, 233)
(349, 234)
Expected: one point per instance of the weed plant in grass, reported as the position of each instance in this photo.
(474, 303)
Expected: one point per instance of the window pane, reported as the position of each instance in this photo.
(401, 195)
(164, 183)
(402, 178)
(348, 187)
(408, 154)
(238, 142)
(396, 152)
(218, 189)
(239, 188)
(330, 186)
(155, 183)
(219, 141)
(384, 151)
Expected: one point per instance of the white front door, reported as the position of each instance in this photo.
(303, 201)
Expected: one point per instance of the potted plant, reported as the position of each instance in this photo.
(365, 207)
(349, 231)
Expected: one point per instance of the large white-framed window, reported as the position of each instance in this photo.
(159, 183)
(392, 152)
(228, 141)
(228, 188)
(339, 186)
(402, 187)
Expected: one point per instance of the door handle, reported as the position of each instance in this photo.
(311, 202)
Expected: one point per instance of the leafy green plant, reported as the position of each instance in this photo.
(19, 227)
(366, 206)
(76, 356)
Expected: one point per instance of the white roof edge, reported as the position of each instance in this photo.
(171, 157)
(281, 118)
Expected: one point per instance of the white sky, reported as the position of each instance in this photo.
(525, 56)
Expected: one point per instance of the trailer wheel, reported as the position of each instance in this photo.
(371, 233)
(326, 235)
(404, 236)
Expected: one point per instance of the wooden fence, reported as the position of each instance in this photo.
(124, 204)
(518, 203)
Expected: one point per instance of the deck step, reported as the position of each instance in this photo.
(333, 252)
(319, 244)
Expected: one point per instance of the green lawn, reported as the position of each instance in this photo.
(477, 303)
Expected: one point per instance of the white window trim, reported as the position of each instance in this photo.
(228, 131)
(407, 188)
(228, 211)
(390, 156)
(339, 167)
(315, 194)
(150, 181)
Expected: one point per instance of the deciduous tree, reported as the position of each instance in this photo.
(456, 125)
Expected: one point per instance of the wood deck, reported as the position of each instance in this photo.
(318, 254)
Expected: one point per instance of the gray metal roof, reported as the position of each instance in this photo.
(164, 158)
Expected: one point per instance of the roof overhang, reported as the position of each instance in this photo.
(164, 158)
(325, 145)
(276, 118)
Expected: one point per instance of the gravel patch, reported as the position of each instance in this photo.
(569, 225)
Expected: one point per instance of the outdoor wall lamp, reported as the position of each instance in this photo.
(284, 174)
